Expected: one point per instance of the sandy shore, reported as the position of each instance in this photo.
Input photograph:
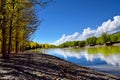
(38, 66)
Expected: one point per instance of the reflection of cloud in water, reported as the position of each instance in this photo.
(66, 53)
(113, 59)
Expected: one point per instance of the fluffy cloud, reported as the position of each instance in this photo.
(65, 38)
(107, 26)
(87, 33)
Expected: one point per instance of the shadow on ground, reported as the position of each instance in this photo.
(34, 66)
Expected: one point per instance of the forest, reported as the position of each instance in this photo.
(18, 22)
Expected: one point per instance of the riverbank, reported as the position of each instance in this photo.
(88, 46)
(38, 66)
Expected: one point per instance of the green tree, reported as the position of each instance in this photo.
(17, 23)
(91, 41)
(113, 38)
(104, 38)
(81, 43)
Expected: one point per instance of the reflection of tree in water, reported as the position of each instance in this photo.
(106, 50)
(109, 54)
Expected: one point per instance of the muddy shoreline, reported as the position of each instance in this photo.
(38, 66)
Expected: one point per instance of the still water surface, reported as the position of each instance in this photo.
(105, 59)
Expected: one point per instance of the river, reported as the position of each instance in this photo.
(104, 59)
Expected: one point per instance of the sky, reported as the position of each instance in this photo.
(68, 20)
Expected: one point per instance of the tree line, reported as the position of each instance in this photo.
(35, 45)
(18, 22)
(104, 39)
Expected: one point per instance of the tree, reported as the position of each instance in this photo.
(113, 38)
(11, 26)
(17, 23)
(81, 43)
(3, 28)
(91, 41)
(104, 38)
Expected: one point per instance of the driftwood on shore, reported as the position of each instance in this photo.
(36, 66)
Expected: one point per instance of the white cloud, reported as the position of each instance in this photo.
(66, 38)
(110, 26)
(107, 26)
(87, 33)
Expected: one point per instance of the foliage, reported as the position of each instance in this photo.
(17, 23)
(72, 44)
(91, 41)
(105, 38)
(35, 45)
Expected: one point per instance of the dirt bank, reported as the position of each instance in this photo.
(32, 66)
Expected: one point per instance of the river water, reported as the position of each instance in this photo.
(104, 59)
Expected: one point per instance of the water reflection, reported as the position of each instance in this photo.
(102, 58)
(106, 50)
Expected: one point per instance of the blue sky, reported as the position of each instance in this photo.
(67, 20)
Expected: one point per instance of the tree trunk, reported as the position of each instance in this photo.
(10, 38)
(10, 30)
(4, 46)
(16, 41)
(4, 54)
